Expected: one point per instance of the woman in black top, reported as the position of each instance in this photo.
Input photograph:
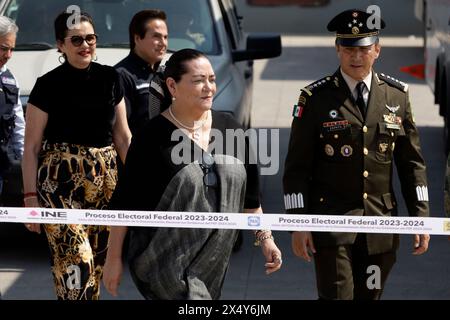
(75, 127)
(171, 166)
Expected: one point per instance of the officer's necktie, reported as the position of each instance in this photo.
(360, 99)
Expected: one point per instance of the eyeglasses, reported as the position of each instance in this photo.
(207, 165)
(77, 41)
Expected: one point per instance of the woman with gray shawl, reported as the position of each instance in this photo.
(184, 263)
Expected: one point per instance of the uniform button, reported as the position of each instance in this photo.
(366, 174)
(366, 151)
(321, 136)
(321, 199)
(336, 136)
(392, 134)
(365, 129)
(365, 196)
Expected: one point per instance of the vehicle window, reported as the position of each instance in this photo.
(225, 9)
(234, 19)
(190, 22)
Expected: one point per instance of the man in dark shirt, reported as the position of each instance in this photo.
(148, 44)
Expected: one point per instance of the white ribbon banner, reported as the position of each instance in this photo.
(215, 220)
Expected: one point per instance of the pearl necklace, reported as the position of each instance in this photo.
(194, 129)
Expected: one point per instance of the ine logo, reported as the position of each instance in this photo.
(34, 213)
(49, 214)
(253, 221)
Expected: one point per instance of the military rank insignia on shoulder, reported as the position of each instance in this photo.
(305, 93)
(309, 89)
(393, 82)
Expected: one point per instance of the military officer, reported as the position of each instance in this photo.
(348, 130)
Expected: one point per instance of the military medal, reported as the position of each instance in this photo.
(346, 150)
(383, 146)
(329, 151)
(333, 114)
(392, 120)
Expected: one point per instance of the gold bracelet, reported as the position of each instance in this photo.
(257, 232)
(260, 240)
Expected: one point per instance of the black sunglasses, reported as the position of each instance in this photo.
(77, 41)
(207, 165)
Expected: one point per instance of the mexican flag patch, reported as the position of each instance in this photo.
(297, 112)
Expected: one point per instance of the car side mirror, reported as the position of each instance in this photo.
(259, 46)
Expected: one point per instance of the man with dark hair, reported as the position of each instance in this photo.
(148, 44)
(347, 131)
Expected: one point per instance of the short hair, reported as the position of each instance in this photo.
(7, 26)
(138, 23)
(176, 65)
(63, 19)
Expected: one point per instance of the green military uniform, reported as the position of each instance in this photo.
(340, 163)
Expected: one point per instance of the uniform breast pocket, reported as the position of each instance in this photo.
(337, 145)
(387, 135)
(10, 94)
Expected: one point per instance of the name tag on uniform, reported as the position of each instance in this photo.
(392, 126)
(7, 80)
(335, 125)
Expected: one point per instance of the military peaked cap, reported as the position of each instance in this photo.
(356, 28)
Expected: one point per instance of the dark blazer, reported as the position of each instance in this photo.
(339, 163)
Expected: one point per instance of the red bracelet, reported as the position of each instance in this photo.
(29, 195)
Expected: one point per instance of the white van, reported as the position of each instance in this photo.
(212, 26)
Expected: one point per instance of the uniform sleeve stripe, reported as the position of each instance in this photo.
(293, 201)
(422, 193)
(300, 196)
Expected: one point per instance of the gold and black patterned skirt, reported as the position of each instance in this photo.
(76, 177)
